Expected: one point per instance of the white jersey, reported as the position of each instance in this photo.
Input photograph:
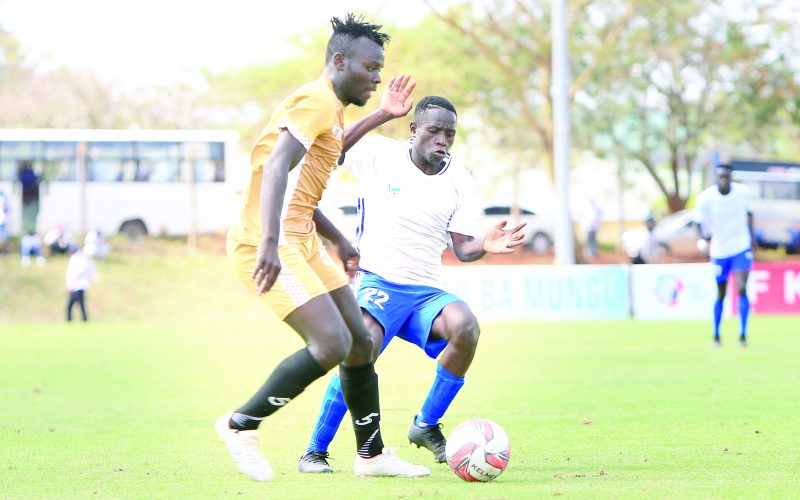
(80, 272)
(724, 216)
(404, 214)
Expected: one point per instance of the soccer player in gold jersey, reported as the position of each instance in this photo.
(275, 249)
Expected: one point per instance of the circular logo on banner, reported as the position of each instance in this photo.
(668, 289)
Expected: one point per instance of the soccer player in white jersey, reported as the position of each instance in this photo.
(723, 215)
(415, 196)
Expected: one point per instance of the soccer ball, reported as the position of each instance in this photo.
(478, 450)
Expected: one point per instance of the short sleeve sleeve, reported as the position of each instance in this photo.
(309, 116)
(360, 158)
(468, 211)
(699, 215)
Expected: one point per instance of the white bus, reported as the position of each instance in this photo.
(775, 190)
(157, 182)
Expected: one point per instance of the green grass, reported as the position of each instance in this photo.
(123, 407)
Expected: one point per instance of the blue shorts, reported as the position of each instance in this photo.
(740, 262)
(405, 311)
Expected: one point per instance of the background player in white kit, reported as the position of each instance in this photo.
(413, 195)
(723, 214)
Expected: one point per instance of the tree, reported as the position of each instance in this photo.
(440, 64)
(768, 104)
(513, 40)
(675, 85)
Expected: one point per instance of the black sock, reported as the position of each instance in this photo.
(360, 391)
(286, 382)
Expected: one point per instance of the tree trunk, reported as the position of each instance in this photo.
(675, 203)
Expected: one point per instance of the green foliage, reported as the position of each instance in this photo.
(439, 63)
(683, 82)
(659, 83)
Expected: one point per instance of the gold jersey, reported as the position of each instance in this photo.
(315, 117)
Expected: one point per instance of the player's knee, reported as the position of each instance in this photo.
(362, 341)
(332, 349)
(466, 332)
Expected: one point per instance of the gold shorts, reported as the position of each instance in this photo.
(307, 271)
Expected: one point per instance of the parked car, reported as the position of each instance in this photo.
(677, 231)
(538, 233)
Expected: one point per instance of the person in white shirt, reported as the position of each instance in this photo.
(80, 273)
(415, 199)
(652, 247)
(723, 215)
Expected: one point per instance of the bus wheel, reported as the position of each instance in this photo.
(133, 229)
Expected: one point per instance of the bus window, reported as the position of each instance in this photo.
(208, 159)
(780, 190)
(754, 187)
(111, 162)
(60, 161)
(219, 171)
(124, 171)
(218, 160)
(13, 153)
(158, 162)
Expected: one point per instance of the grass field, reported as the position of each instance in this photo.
(123, 407)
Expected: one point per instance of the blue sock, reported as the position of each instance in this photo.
(330, 417)
(717, 317)
(444, 390)
(744, 311)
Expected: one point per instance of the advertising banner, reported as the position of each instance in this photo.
(773, 288)
(541, 292)
(673, 291)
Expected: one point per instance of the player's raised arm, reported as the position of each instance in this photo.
(287, 153)
(396, 102)
(497, 240)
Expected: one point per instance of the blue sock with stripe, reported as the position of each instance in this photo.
(330, 417)
(444, 390)
(717, 317)
(744, 312)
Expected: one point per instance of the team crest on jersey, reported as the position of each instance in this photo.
(337, 132)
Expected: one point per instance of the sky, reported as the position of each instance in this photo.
(150, 42)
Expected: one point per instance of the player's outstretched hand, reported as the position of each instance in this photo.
(268, 266)
(498, 239)
(395, 99)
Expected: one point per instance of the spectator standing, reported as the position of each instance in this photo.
(591, 224)
(80, 273)
(30, 196)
